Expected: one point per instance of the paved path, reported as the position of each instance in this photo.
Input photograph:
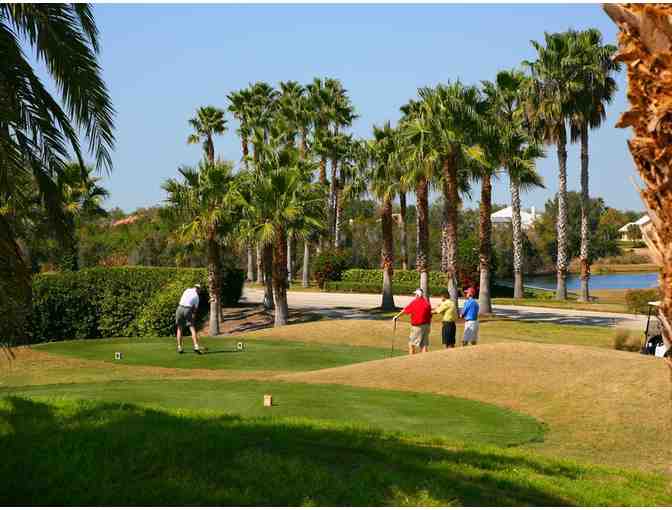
(356, 306)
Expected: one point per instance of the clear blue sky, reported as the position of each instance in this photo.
(163, 61)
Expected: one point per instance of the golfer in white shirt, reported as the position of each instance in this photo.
(185, 316)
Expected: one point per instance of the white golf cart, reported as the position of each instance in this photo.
(654, 344)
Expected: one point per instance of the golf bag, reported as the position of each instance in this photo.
(652, 344)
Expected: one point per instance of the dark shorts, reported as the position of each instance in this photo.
(448, 333)
(184, 317)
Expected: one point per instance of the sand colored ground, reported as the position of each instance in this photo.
(600, 405)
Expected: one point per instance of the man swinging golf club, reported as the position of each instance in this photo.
(185, 316)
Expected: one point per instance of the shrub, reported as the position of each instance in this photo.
(329, 266)
(637, 299)
(623, 341)
(116, 301)
(404, 276)
(376, 288)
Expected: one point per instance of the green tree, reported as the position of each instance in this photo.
(552, 97)
(203, 202)
(596, 69)
(37, 133)
(208, 122)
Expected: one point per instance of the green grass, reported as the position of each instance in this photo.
(65, 452)
(413, 413)
(259, 354)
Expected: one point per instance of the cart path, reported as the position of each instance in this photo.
(356, 306)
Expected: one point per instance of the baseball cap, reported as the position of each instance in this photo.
(418, 292)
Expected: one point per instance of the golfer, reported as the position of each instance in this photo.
(421, 322)
(448, 310)
(185, 316)
(470, 316)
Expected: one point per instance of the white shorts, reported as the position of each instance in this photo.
(470, 333)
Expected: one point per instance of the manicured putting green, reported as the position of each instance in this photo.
(415, 413)
(221, 354)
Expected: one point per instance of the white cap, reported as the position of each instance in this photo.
(197, 286)
(418, 292)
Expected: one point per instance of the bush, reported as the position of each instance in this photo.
(329, 266)
(117, 301)
(637, 300)
(376, 288)
(623, 341)
(402, 276)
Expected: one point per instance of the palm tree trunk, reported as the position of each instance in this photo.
(338, 208)
(303, 147)
(213, 285)
(280, 278)
(422, 252)
(485, 246)
(210, 149)
(250, 263)
(267, 254)
(516, 224)
(387, 261)
(402, 231)
(246, 150)
(306, 263)
(260, 264)
(449, 226)
(323, 182)
(585, 204)
(562, 263)
(289, 262)
(333, 202)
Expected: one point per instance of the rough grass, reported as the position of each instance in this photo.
(89, 454)
(600, 405)
(413, 413)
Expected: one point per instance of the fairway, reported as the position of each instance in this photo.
(413, 413)
(222, 355)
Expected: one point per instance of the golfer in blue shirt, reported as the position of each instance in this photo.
(470, 316)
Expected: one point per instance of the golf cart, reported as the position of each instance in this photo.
(653, 344)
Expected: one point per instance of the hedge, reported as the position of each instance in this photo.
(402, 276)
(637, 300)
(118, 301)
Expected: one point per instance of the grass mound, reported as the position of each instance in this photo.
(413, 413)
(85, 453)
(259, 355)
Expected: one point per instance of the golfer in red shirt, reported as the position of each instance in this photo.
(421, 322)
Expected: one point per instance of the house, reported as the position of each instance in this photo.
(623, 231)
(503, 217)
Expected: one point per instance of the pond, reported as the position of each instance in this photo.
(597, 281)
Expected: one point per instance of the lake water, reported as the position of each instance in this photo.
(597, 281)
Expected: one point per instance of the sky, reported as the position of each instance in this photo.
(161, 62)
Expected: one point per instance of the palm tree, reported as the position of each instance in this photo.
(451, 115)
(384, 186)
(81, 196)
(517, 153)
(36, 133)
(552, 95)
(208, 122)
(596, 67)
(203, 202)
(276, 199)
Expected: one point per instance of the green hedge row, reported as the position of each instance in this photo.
(403, 276)
(496, 291)
(118, 301)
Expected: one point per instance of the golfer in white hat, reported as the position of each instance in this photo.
(185, 316)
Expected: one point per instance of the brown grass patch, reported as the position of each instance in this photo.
(600, 405)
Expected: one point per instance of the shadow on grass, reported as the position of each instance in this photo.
(86, 453)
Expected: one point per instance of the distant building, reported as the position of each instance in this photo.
(503, 217)
(623, 231)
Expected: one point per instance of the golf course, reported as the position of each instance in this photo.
(508, 422)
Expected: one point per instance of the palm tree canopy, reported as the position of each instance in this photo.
(209, 121)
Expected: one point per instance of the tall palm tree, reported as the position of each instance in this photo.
(517, 153)
(452, 119)
(276, 199)
(36, 132)
(208, 122)
(596, 68)
(203, 202)
(384, 186)
(552, 95)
